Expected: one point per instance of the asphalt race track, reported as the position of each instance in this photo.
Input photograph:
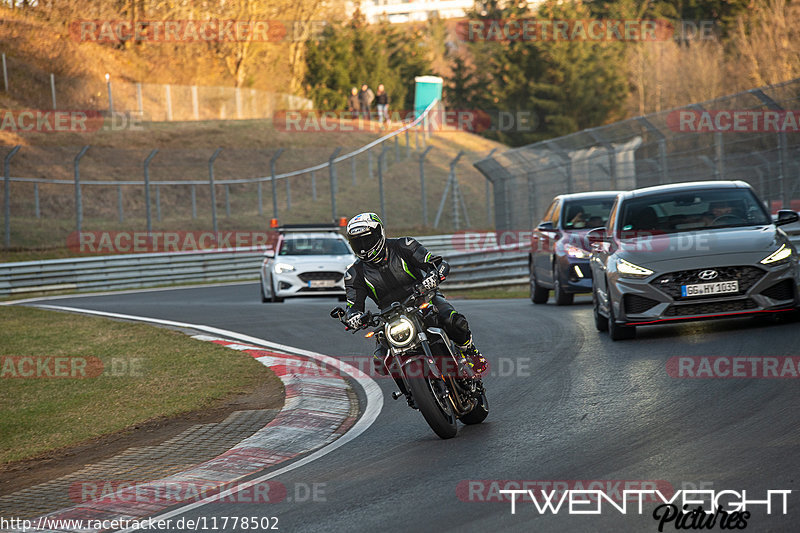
(566, 403)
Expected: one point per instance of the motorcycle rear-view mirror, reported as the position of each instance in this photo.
(337, 312)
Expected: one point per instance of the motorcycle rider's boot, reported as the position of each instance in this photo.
(475, 359)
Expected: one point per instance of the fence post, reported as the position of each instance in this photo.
(78, 198)
(7, 186)
(36, 209)
(147, 189)
(158, 202)
(5, 72)
(139, 102)
(288, 194)
(227, 200)
(195, 106)
(457, 194)
(380, 182)
(53, 89)
(272, 163)
(120, 210)
(313, 186)
(238, 98)
(489, 195)
(211, 184)
(194, 201)
(332, 169)
(110, 98)
(662, 148)
(719, 155)
(423, 195)
(168, 93)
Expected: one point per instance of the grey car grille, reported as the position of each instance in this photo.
(671, 283)
(710, 307)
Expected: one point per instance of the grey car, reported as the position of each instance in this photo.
(690, 251)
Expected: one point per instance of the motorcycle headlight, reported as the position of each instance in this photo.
(280, 268)
(781, 255)
(627, 269)
(400, 332)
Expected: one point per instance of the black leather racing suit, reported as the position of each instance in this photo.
(405, 263)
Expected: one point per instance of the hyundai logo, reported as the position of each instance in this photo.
(708, 275)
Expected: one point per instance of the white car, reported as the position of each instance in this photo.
(306, 261)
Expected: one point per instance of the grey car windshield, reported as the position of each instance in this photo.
(313, 246)
(693, 210)
(586, 214)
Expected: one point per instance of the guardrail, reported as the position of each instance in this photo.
(496, 267)
(134, 271)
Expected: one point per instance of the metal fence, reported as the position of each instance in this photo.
(752, 136)
(117, 201)
(149, 101)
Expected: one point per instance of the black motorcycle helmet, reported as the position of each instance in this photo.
(367, 237)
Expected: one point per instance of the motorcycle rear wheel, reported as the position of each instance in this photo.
(441, 419)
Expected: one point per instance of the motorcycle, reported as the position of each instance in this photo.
(431, 371)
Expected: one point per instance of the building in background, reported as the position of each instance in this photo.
(415, 10)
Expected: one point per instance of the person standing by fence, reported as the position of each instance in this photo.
(365, 98)
(382, 100)
(353, 103)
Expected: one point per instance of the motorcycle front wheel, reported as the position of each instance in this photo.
(478, 413)
(426, 392)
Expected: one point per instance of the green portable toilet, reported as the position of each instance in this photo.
(426, 90)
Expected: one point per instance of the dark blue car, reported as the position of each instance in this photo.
(559, 258)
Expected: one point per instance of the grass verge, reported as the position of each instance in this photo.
(489, 293)
(145, 373)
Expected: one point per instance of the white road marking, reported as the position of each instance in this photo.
(373, 394)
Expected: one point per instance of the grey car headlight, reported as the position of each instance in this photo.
(626, 269)
(781, 255)
(400, 332)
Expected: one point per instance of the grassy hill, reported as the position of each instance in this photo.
(248, 146)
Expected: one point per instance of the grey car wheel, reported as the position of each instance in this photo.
(618, 332)
(600, 322)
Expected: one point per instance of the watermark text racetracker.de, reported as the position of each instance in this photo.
(195, 31)
(67, 121)
(439, 121)
(528, 240)
(125, 242)
(68, 367)
(733, 367)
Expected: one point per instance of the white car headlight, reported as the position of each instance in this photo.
(400, 332)
(780, 255)
(575, 252)
(628, 270)
(280, 268)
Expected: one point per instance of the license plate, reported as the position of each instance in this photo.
(705, 289)
(321, 283)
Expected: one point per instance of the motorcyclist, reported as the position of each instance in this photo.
(387, 270)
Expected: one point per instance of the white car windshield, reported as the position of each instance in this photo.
(313, 246)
